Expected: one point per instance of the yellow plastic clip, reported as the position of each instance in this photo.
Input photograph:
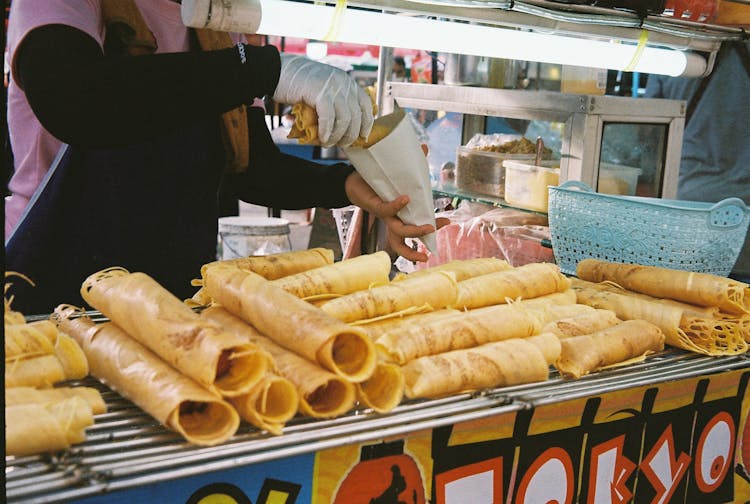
(642, 39)
(338, 16)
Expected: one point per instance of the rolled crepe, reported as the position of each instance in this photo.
(701, 289)
(270, 404)
(583, 354)
(41, 371)
(305, 126)
(681, 328)
(279, 265)
(463, 269)
(376, 328)
(585, 323)
(503, 363)
(322, 394)
(525, 282)
(384, 390)
(421, 293)
(469, 329)
(176, 401)
(221, 362)
(30, 395)
(293, 323)
(337, 279)
(46, 427)
(26, 340)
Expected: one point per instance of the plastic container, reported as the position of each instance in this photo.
(618, 179)
(526, 184)
(684, 235)
(241, 236)
(583, 80)
(481, 171)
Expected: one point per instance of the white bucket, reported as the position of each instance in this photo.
(241, 236)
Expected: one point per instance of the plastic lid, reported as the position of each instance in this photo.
(550, 165)
(254, 226)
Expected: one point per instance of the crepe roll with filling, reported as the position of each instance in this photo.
(172, 398)
(35, 428)
(30, 395)
(293, 323)
(418, 294)
(322, 394)
(270, 404)
(149, 313)
(524, 282)
(340, 278)
(584, 354)
(384, 390)
(702, 289)
(585, 323)
(499, 364)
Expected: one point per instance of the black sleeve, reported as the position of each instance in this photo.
(279, 180)
(85, 98)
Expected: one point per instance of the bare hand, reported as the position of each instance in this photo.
(362, 195)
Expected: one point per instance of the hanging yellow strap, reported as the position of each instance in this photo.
(336, 20)
(642, 39)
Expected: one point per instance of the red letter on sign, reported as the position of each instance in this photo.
(609, 472)
(662, 469)
(713, 455)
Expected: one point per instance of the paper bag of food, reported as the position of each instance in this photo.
(393, 163)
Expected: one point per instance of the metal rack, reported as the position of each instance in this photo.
(126, 448)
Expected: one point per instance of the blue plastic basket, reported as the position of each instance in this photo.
(685, 235)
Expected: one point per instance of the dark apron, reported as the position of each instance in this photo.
(150, 207)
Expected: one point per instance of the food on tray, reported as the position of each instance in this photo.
(322, 394)
(175, 400)
(527, 281)
(376, 328)
(464, 269)
(46, 427)
(29, 395)
(305, 126)
(503, 363)
(630, 339)
(149, 313)
(585, 323)
(278, 265)
(339, 278)
(678, 321)
(384, 390)
(270, 404)
(427, 292)
(702, 289)
(40, 371)
(28, 340)
(293, 323)
(470, 329)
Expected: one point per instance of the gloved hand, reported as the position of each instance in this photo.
(344, 108)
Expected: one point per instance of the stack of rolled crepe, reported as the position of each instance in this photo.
(175, 400)
(699, 312)
(221, 362)
(331, 363)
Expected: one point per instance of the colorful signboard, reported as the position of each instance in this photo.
(682, 441)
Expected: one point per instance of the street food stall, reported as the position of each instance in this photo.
(663, 418)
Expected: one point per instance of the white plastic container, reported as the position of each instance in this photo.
(241, 236)
(618, 179)
(526, 184)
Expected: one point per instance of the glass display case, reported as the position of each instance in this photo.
(608, 142)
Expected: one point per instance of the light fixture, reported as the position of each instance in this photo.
(357, 26)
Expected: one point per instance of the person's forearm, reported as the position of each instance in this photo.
(83, 97)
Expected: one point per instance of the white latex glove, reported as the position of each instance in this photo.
(344, 108)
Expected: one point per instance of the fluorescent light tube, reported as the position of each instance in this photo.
(318, 22)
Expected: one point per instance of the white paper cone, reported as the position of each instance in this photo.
(397, 165)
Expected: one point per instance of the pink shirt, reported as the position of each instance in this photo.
(34, 148)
